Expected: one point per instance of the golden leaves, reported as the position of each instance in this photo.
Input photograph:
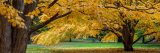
(35, 12)
(88, 18)
(110, 37)
(76, 24)
(44, 18)
(12, 15)
(28, 1)
(53, 36)
(156, 16)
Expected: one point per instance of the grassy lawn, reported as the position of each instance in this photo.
(67, 47)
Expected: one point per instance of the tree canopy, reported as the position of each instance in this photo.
(88, 18)
(82, 19)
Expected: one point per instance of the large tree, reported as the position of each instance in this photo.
(15, 22)
(121, 17)
(132, 15)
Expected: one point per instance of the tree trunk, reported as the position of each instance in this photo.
(70, 39)
(128, 42)
(20, 34)
(12, 39)
(143, 39)
(5, 36)
(120, 39)
(128, 34)
(128, 46)
(19, 40)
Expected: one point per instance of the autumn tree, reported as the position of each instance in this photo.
(131, 15)
(16, 19)
(89, 17)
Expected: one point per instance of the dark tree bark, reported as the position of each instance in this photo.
(127, 46)
(127, 33)
(128, 39)
(120, 39)
(19, 39)
(12, 39)
(70, 39)
(5, 35)
(143, 39)
(20, 35)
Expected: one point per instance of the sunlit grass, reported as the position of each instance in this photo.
(67, 46)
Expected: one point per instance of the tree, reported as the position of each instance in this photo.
(16, 23)
(121, 17)
(130, 14)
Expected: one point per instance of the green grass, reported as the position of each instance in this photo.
(101, 45)
(87, 45)
(78, 45)
(31, 48)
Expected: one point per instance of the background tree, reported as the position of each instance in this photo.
(130, 15)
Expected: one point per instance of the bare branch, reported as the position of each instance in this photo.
(48, 21)
(149, 33)
(143, 36)
(59, 4)
(117, 34)
(112, 30)
(51, 4)
(149, 40)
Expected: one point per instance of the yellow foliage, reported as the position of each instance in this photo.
(110, 37)
(28, 1)
(34, 12)
(12, 15)
(53, 36)
(88, 17)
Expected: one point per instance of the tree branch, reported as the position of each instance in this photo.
(18, 4)
(143, 36)
(7, 2)
(149, 33)
(114, 7)
(133, 9)
(138, 39)
(83, 13)
(105, 29)
(119, 4)
(149, 40)
(51, 4)
(136, 9)
(30, 7)
(117, 34)
(135, 22)
(48, 21)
